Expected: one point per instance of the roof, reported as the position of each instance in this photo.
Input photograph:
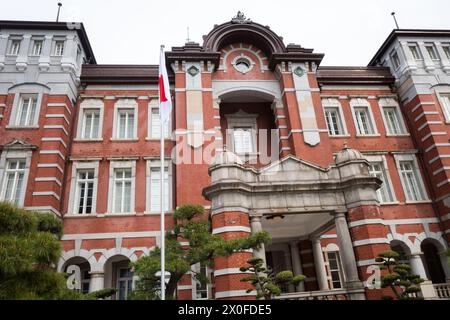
(51, 25)
(120, 74)
(354, 75)
(406, 33)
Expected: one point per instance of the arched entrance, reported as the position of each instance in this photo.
(118, 275)
(433, 263)
(85, 268)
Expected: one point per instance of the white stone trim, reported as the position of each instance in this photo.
(111, 235)
(392, 222)
(117, 165)
(57, 115)
(50, 165)
(231, 229)
(362, 102)
(442, 183)
(335, 103)
(125, 104)
(435, 145)
(26, 89)
(46, 193)
(156, 163)
(60, 105)
(364, 263)
(429, 123)
(44, 208)
(433, 134)
(234, 293)
(423, 114)
(57, 127)
(392, 103)
(90, 104)
(189, 287)
(73, 193)
(227, 271)
(48, 179)
(418, 173)
(53, 152)
(382, 159)
(58, 139)
(15, 154)
(369, 241)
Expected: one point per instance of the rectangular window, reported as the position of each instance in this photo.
(395, 60)
(124, 283)
(445, 102)
(125, 127)
(37, 48)
(363, 122)
(27, 111)
(14, 48)
(415, 52)
(155, 189)
(446, 49)
(384, 194)
(243, 140)
(334, 269)
(91, 124)
(334, 122)
(391, 117)
(155, 130)
(201, 289)
(122, 190)
(432, 52)
(59, 48)
(410, 181)
(13, 180)
(85, 191)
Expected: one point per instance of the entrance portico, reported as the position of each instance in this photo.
(293, 200)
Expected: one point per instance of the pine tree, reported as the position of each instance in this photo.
(399, 278)
(191, 227)
(265, 281)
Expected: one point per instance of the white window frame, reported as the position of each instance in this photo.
(196, 268)
(127, 279)
(17, 108)
(73, 194)
(15, 155)
(334, 103)
(332, 247)
(56, 53)
(35, 41)
(11, 46)
(446, 49)
(363, 103)
(392, 103)
(90, 104)
(152, 135)
(418, 174)
(243, 119)
(444, 100)
(113, 165)
(381, 159)
(395, 58)
(156, 163)
(417, 49)
(433, 49)
(120, 105)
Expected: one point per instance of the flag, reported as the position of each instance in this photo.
(165, 102)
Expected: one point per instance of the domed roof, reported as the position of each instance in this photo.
(348, 154)
(226, 157)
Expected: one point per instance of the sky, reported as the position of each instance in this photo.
(348, 32)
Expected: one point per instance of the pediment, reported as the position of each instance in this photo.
(18, 144)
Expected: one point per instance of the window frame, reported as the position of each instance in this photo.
(125, 164)
(444, 101)
(399, 158)
(73, 194)
(156, 163)
(87, 105)
(8, 155)
(356, 103)
(125, 104)
(33, 47)
(395, 58)
(392, 103)
(333, 248)
(417, 50)
(381, 159)
(17, 108)
(12, 41)
(55, 47)
(196, 268)
(242, 119)
(154, 105)
(334, 103)
(429, 45)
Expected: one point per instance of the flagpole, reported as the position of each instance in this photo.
(163, 253)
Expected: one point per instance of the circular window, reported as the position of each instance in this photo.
(243, 65)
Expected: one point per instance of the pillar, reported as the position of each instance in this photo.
(348, 256)
(296, 264)
(319, 263)
(256, 226)
(97, 281)
(417, 266)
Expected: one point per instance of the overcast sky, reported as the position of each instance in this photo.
(130, 31)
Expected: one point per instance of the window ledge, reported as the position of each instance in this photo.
(22, 127)
(87, 140)
(123, 140)
(393, 203)
(418, 202)
(339, 136)
(398, 135)
(368, 135)
(158, 139)
(151, 213)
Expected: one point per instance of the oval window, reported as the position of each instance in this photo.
(242, 65)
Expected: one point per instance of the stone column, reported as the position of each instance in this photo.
(429, 64)
(256, 226)
(348, 256)
(3, 48)
(444, 60)
(296, 264)
(409, 58)
(319, 263)
(97, 281)
(44, 60)
(22, 58)
(69, 55)
(417, 266)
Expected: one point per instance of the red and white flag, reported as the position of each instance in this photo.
(165, 102)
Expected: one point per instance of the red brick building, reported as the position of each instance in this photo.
(337, 163)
